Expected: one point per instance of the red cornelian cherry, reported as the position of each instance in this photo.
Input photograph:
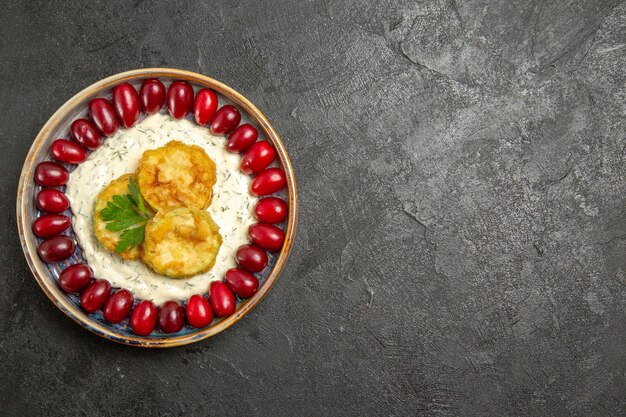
(75, 277)
(204, 106)
(225, 120)
(143, 318)
(171, 317)
(240, 139)
(251, 258)
(258, 157)
(268, 181)
(69, 152)
(222, 299)
(152, 96)
(198, 311)
(56, 249)
(51, 174)
(267, 236)
(84, 132)
(118, 305)
(94, 296)
(126, 103)
(50, 225)
(241, 282)
(271, 210)
(52, 201)
(179, 99)
(103, 115)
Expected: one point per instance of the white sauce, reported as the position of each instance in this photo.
(231, 208)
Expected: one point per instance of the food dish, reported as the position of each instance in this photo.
(120, 154)
(106, 307)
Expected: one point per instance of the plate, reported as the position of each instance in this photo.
(27, 211)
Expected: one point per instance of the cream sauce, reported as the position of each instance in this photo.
(231, 208)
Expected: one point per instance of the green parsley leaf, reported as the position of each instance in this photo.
(130, 238)
(127, 213)
(133, 188)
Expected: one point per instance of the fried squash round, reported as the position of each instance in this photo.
(110, 238)
(182, 242)
(176, 175)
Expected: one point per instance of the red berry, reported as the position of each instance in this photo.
(152, 96)
(126, 102)
(51, 174)
(271, 210)
(118, 305)
(204, 106)
(102, 113)
(258, 157)
(52, 201)
(179, 99)
(241, 282)
(268, 181)
(143, 318)
(225, 120)
(85, 133)
(171, 317)
(199, 312)
(75, 277)
(94, 296)
(69, 152)
(267, 236)
(251, 258)
(241, 138)
(222, 299)
(56, 249)
(50, 225)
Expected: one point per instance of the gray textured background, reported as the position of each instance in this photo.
(462, 236)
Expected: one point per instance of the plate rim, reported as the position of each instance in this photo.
(50, 287)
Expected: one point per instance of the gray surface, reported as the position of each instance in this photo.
(461, 246)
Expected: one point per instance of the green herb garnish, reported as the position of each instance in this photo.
(127, 213)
